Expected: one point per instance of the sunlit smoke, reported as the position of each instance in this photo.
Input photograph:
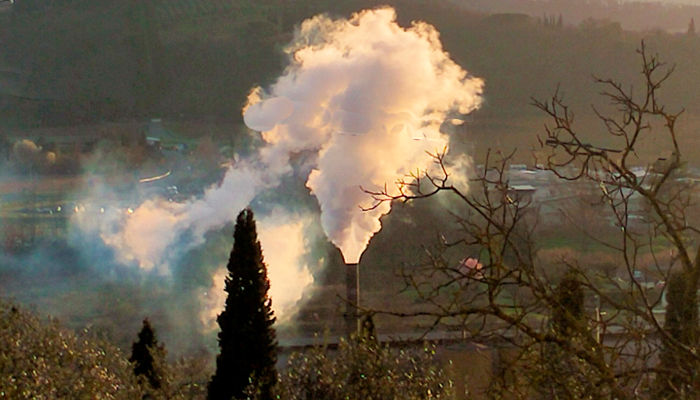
(283, 238)
(370, 96)
(366, 98)
(284, 242)
(146, 234)
(213, 300)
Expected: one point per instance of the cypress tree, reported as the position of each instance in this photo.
(247, 340)
(681, 324)
(142, 355)
(563, 374)
(570, 310)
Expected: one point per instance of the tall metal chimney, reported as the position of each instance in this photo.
(352, 285)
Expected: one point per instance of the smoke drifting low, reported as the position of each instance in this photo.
(148, 235)
(363, 100)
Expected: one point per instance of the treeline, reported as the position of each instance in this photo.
(633, 15)
(111, 65)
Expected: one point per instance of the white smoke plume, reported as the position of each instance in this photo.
(364, 95)
(361, 91)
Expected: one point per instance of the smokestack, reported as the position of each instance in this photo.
(352, 285)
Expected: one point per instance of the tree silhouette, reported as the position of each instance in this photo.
(247, 340)
(566, 376)
(569, 311)
(683, 328)
(142, 355)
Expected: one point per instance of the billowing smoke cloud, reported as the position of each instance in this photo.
(361, 91)
(365, 98)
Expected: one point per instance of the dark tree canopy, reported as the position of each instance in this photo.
(683, 328)
(142, 355)
(247, 340)
(570, 308)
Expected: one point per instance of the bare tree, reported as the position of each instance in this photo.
(618, 343)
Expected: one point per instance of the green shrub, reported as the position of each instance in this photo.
(41, 360)
(364, 370)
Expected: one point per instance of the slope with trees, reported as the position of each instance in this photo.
(43, 360)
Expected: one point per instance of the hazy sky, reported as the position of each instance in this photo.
(693, 2)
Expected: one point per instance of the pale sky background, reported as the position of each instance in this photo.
(693, 2)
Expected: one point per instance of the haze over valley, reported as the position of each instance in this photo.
(133, 133)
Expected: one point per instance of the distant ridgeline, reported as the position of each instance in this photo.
(672, 16)
(70, 62)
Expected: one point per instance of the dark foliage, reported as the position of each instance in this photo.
(564, 376)
(40, 359)
(142, 352)
(247, 338)
(361, 368)
(569, 309)
(683, 327)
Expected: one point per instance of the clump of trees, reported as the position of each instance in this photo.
(362, 368)
(42, 360)
(39, 359)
